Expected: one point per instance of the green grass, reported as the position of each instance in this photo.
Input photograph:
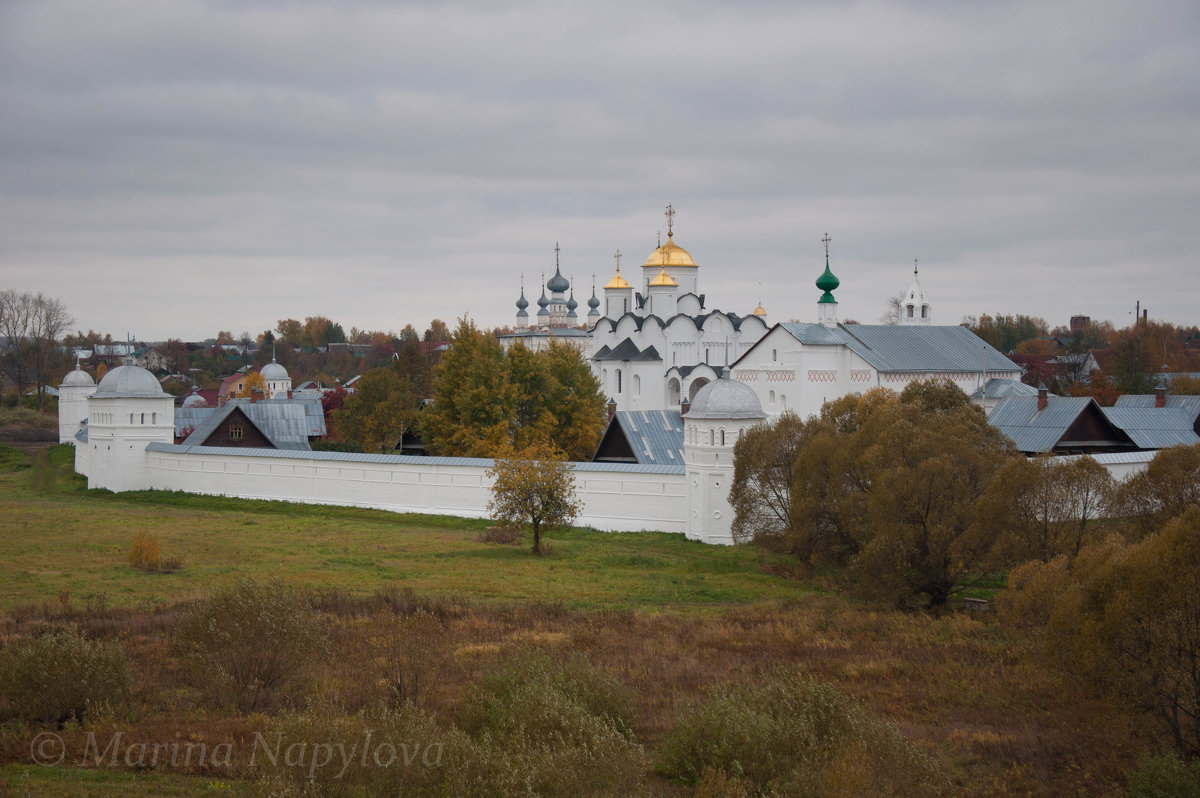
(19, 781)
(59, 539)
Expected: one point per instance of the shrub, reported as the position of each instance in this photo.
(549, 727)
(146, 555)
(1165, 775)
(507, 534)
(250, 638)
(795, 736)
(327, 752)
(61, 675)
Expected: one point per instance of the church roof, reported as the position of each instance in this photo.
(626, 350)
(77, 378)
(998, 388)
(129, 381)
(891, 347)
(726, 399)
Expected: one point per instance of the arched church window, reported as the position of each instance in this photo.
(774, 355)
(924, 311)
(783, 401)
(637, 385)
(909, 309)
(771, 397)
(618, 380)
(722, 437)
(711, 436)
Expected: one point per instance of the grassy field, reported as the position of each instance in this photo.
(666, 616)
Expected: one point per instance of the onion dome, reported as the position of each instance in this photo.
(194, 399)
(571, 303)
(618, 281)
(827, 282)
(274, 371)
(593, 303)
(543, 301)
(670, 254)
(662, 278)
(725, 399)
(129, 382)
(760, 311)
(557, 284)
(522, 303)
(77, 379)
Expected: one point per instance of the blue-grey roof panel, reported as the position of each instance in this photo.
(1154, 427)
(904, 348)
(1034, 430)
(656, 436)
(1190, 405)
(999, 388)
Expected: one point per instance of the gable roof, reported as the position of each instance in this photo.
(283, 424)
(654, 437)
(998, 388)
(626, 350)
(1189, 405)
(1034, 430)
(1154, 427)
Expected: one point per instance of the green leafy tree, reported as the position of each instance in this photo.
(379, 411)
(534, 486)
(574, 401)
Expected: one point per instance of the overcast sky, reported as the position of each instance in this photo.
(179, 168)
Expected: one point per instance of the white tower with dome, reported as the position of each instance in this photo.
(73, 393)
(279, 384)
(719, 415)
(915, 308)
(127, 411)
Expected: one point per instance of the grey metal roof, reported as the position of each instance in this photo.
(656, 436)
(314, 415)
(1154, 427)
(998, 388)
(82, 435)
(1190, 405)
(626, 350)
(398, 459)
(907, 348)
(1034, 430)
(283, 423)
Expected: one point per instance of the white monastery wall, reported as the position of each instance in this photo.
(616, 497)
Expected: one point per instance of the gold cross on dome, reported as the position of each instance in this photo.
(670, 214)
(617, 257)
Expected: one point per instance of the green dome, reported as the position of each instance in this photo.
(827, 282)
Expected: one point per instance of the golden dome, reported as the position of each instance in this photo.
(663, 279)
(760, 311)
(618, 281)
(669, 254)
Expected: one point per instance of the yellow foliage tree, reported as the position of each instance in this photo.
(535, 486)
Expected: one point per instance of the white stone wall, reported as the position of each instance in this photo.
(615, 497)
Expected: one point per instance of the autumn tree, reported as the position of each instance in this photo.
(486, 399)
(1168, 486)
(31, 326)
(1125, 620)
(536, 487)
(412, 363)
(1042, 507)
(379, 411)
(1004, 332)
(763, 474)
(1185, 385)
(253, 381)
(886, 486)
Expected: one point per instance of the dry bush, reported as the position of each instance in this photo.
(146, 555)
(61, 675)
(1165, 775)
(549, 727)
(791, 734)
(506, 534)
(248, 639)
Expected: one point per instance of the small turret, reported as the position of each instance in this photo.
(828, 283)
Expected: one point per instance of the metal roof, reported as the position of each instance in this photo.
(907, 348)
(626, 350)
(398, 459)
(656, 436)
(998, 388)
(1154, 427)
(283, 423)
(314, 415)
(1034, 430)
(1190, 405)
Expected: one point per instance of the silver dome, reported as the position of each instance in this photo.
(77, 379)
(725, 399)
(129, 381)
(273, 371)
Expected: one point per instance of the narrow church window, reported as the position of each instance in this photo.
(774, 355)
(722, 437)
(711, 436)
(910, 311)
(143, 418)
(783, 401)
(235, 433)
(772, 397)
(924, 311)
(618, 380)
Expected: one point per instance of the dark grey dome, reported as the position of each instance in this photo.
(558, 283)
